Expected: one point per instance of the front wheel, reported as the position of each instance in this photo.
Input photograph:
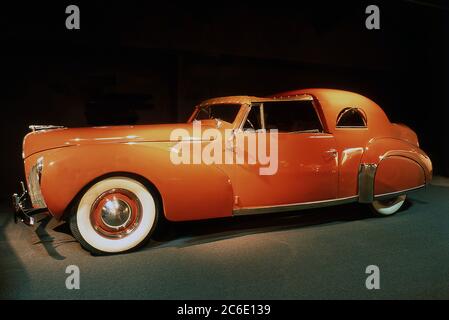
(114, 215)
(388, 207)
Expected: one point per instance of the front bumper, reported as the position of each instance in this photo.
(23, 211)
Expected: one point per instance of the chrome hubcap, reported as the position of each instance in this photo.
(115, 213)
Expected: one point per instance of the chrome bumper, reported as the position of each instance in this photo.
(23, 211)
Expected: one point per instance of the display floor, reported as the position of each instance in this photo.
(314, 254)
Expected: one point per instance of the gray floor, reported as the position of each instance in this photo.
(314, 254)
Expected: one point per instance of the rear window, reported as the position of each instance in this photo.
(351, 118)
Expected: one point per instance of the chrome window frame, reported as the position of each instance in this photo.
(198, 109)
(304, 97)
(360, 111)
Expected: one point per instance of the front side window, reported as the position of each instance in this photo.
(225, 112)
(351, 118)
(285, 116)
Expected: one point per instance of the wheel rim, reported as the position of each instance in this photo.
(116, 213)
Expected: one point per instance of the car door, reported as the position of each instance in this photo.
(306, 156)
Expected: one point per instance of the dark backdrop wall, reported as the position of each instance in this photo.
(135, 63)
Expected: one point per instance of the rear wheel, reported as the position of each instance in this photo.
(388, 207)
(114, 215)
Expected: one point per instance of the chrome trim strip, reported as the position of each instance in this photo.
(367, 171)
(296, 97)
(293, 207)
(315, 204)
(398, 193)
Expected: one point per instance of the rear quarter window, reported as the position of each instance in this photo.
(351, 117)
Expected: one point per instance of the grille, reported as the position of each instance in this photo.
(34, 188)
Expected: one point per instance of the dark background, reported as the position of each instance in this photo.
(142, 62)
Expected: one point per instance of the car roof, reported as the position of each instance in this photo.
(244, 99)
(320, 94)
(230, 100)
(332, 102)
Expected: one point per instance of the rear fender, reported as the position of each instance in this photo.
(392, 166)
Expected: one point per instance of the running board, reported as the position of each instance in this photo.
(293, 207)
(317, 204)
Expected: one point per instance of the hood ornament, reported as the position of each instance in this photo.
(37, 127)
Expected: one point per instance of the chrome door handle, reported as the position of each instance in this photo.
(332, 152)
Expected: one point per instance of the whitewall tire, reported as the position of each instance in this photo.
(114, 215)
(388, 207)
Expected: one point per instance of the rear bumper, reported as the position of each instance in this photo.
(22, 209)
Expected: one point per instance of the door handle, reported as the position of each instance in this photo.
(332, 152)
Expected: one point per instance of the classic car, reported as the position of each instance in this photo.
(116, 184)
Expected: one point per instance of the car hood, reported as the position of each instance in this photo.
(42, 140)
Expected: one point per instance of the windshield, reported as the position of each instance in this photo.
(225, 112)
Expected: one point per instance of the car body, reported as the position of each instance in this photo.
(346, 150)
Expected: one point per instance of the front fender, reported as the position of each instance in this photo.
(188, 191)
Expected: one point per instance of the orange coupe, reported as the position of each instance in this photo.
(116, 184)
